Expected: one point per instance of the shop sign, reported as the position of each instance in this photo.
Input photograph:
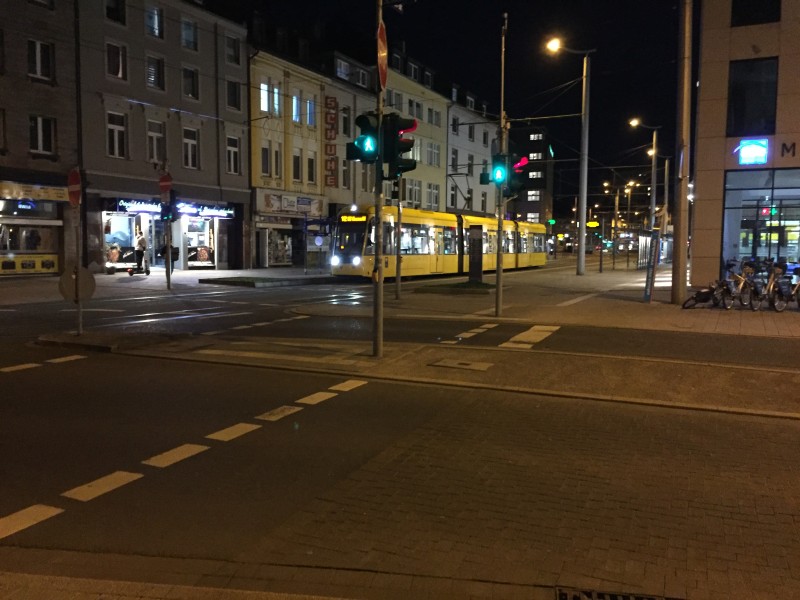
(10, 190)
(204, 211)
(138, 206)
(331, 131)
(289, 203)
(752, 152)
(304, 205)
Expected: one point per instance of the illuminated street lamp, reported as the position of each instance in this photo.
(653, 158)
(554, 46)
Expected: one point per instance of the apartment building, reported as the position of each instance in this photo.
(38, 135)
(747, 164)
(163, 91)
(471, 138)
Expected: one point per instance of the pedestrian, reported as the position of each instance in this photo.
(141, 246)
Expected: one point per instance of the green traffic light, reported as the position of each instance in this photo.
(498, 173)
(368, 145)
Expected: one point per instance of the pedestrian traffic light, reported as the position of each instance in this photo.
(395, 145)
(516, 177)
(365, 146)
(169, 211)
(499, 172)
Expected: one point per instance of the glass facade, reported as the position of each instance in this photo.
(761, 218)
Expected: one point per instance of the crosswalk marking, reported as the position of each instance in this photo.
(101, 486)
(170, 457)
(26, 517)
(527, 339)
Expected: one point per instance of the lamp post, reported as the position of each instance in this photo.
(653, 167)
(554, 46)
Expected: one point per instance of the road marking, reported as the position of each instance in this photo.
(576, 300)
(348, 385)
(316, 398)
(242, 327)
(468, 334)
(19, 367)
(277, 414)
(261, 324)
(170, 457)
(488, 325)
(101, 486)
(232, 432)
(449, 342)
(64, 359)
(274, 355)
(527, 339)
(462, 364)
(26, 518)
(210, 332)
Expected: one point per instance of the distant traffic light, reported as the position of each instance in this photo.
(499, 173)
(365, 147)
(516, 178)
(395, 145)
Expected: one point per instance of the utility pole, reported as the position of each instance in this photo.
(681, 216)
(498, 306)
(377, 270)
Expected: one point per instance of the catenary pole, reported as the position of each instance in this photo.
(377, 269)
(498, 307)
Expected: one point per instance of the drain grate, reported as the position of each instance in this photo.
(572, 594)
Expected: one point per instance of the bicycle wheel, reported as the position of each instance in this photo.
(778, 301)
(755, 302)
(745, 296)
(690, 302)
(727, 300)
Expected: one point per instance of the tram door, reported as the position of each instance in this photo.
(437, 265)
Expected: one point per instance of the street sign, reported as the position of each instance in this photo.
(75, 286)
(165, 184)
(74, 186)
(383, 55)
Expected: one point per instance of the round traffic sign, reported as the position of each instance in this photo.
(74, 186)
(383, 55)
(165, 184)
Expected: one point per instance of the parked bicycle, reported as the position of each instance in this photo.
(766, 290)
(784, 291)
(739, 285)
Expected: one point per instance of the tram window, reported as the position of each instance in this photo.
(388, 238)
(488, 243)
(538, 242)
(523, 243)
(450, 240)
(508, 242)
(419, 241)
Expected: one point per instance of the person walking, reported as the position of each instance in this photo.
(141, 247)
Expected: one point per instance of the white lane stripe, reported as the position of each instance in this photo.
(242, 327)
(101, 486)
(533, 335)
(576, 300)
(232, 432)
(26, 518)
(19, 367)
(488, 326)
(466, 334)
(277, 414)
(316, 398)
(210, 332)
(348, 385)
(64, 359)
(261, 324)
(170, 457)
(449, 342)
(517, 345)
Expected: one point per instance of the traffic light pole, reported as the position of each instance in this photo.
(377, 270)
(498, 307)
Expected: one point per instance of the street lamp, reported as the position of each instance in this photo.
(637, 123)
(554, 46)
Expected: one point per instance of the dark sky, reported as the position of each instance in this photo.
(633, 70)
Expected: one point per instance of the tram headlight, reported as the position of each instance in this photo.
(356, 261)
(335, 260)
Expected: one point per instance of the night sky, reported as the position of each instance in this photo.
(633, 72)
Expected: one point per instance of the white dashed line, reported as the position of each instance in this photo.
(64, 359)
(26, 518)
(348, 385)
(316, 398)
(19, 367)
(468, 334)
(170, 457)
(101, 486)
(527, 339)
(242, 327)
(277, 414)
(232, 432)
(576, 300)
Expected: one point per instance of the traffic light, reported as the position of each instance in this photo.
(166, 212)
(516, 177)
(499, 173)
(365, 146)
(395, 145)
(169, 211)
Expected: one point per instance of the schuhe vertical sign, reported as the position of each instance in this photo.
(331, 131)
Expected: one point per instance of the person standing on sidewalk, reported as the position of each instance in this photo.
(141, 247)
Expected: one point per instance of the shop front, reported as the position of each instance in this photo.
(761, 218)
(31, 228)
(282, 228)
(204, 232)
(122, 219)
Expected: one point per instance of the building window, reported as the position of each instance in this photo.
(154, 72)
(453, 196)
(434, 151)
(297, 165)
(535, 175)
(470, 103)
(437, 118)
(156, 142)
(535, 156)
(345, 174)
(42, 135)
(191, 83)
(414, 193)
(485, 138)
(748, 12)
(534, 195)
(191, 147)
(346, 121)
(232, 155)
(470, 198)
(233, 95)
(454, 160)
(454, 125)
(296, 108)
(397, 61)
(233, 52)
(454, 94)
(40, 60)
(413, 71)
(115, 11)
(263, 95)
(361, 78)
(535, 136)
(432, 200)
(752, 97)
(154, 22)
(532, 217)
(115, 130)
(189, 34)
(342, 69)
(117, 61)
(311, 163)
(470, 164)
(471, 133)
(278, 160)
(483, 202)
(311, 112)
(276, 100)
(266, 157)
(428, 79)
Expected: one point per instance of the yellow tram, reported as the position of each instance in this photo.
(432, 243)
